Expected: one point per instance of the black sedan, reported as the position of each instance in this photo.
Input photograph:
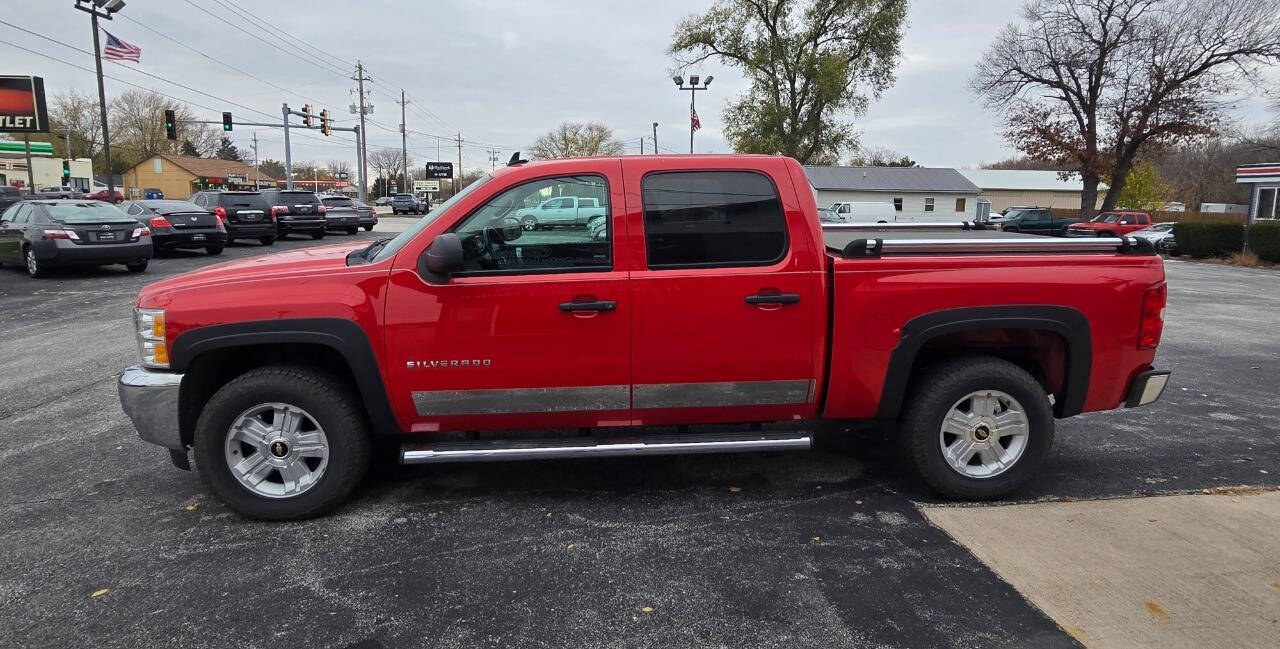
(42, 234)
(179, 224)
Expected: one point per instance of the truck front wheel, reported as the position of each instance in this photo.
(282, 442)
(977, 427)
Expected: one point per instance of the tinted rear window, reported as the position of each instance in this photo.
(714, 218)
(299, 198)
(405, 196)
(84, 212)
(338, 202)
(241, 200)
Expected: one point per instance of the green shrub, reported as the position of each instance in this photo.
(1206, 239)
(1264, 240)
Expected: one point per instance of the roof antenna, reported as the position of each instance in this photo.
(515, 160)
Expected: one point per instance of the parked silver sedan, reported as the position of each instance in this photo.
(340, 214)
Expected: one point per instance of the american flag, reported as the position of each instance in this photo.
(697, 123)
(118, 50)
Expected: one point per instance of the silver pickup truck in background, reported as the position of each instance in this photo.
(559, 211)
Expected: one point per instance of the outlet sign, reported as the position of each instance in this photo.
(22, 108)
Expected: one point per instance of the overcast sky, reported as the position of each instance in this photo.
(500, 72)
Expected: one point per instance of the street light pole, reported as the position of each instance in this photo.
(693, 89)
(109, 7)
(655, 138)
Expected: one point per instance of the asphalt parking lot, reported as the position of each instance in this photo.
(821, 549)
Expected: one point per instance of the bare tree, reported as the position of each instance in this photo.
(336, 167)
(879, 156)
(576, 140)
(137, 126)
(386, 163)
(1094, 83)
(78, 112)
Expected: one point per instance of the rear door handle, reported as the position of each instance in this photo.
(594, 305)
(773, 298)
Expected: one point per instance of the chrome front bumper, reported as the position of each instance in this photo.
(1147, 388)
(150, 399)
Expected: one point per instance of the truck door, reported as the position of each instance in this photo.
(534, 333)
(722, 297)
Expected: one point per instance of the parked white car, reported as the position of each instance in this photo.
(865, 211)
(559, 211)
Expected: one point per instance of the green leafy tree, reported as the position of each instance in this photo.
(576, 140)
(811, 64)
(273, 168)
(1143, 188)
(188, 149)
(228, 151)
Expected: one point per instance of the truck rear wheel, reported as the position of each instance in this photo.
(282, 443)
(977, 427)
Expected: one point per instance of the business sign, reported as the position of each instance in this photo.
(342, 175)
(237, 179)
(22, 108)
(439, 170)
(426, 185)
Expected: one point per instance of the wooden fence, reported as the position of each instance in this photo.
(1162, 216)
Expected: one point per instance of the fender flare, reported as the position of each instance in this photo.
(345, 337)
(1067, 322)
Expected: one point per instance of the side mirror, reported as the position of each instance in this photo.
(441, 259)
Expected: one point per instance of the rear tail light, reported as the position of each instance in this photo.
(277, 210)
(1151, 324)
(61, 234)
(140, 232)
(320, 210)
(221, 213)
(160, 222)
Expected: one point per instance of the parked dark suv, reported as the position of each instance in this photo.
(296, 210)
(41, 234)
(9, 196)
(245, 215)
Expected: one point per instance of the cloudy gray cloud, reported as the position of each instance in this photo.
(500, 72)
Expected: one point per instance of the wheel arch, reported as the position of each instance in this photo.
(1068, 324)
(210, 356)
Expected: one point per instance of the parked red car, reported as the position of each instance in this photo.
(102, 195)
(711, 312)
(1110, 224)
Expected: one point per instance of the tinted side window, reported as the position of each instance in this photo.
(712, 218)
(494, 240)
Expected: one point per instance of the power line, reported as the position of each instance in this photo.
(305, 59)
(286, 34)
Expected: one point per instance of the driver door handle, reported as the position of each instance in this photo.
(594, 305)
(773, 298)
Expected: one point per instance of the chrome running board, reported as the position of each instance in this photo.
(495, 451)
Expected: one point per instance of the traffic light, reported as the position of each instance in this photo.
(325, 126)
(306, 115)
(226, 121)
(170, 125)
(66, 170)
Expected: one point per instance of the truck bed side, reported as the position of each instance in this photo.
(899, 312)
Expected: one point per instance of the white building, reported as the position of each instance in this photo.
(1007, 188)
(1264, 189)
(915, 192)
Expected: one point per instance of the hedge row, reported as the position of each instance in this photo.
(1204, 239)
(1264, 240)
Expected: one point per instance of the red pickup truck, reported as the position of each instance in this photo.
(1110, 224)
(710, 313)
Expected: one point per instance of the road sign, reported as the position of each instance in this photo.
(342, 175)
(22, 108)
(440, 170)
(426, 185)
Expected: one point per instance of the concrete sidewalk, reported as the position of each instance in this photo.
(1166, 571)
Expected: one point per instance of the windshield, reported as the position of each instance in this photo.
(85, 212)
(397, 243)
(1106, 218)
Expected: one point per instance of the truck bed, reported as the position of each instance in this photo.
(855, 240)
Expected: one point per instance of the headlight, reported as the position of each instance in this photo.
(149, 326)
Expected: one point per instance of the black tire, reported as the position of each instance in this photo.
(35, 268)
(1105, 234)
(137, 266)
(353, 230)
(282, 234)
(266, 241)
(213, 250)
(319, 234)
(1010, 229)
(368, 228)
(930, 400)
(328, 400)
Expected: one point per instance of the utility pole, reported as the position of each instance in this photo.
(91, 7)
(68, 138)
(31, 184)
(655, 138)
(364, 154)
(693, 89)
(458, 175)
(255, 159)
(359, 162)
(404, 146)
(641, 145)
(288, 159)
(493, 159)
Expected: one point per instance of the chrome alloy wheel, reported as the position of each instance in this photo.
(984, 434)
(33, 265)
(276, 450)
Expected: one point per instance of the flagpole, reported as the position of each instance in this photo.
(110, 8)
